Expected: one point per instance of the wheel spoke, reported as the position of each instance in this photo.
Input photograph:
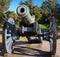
(51, 45)
(52, 35)
(8, 44)
(9, 35)
(8, 41)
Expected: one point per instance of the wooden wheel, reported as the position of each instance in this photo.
(9, 33)
(53, 36)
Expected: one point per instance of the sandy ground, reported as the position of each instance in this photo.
(24, 49)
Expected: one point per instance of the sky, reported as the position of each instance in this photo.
(15, 3)
(59, 1)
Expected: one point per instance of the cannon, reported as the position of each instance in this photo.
(23, 11)
(28, 27)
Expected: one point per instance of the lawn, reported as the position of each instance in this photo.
(44, 26)
(0, 29)
(58, 25)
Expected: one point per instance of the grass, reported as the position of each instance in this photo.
(58, 25)
(0, 29)
(17, 26)
(44, 26)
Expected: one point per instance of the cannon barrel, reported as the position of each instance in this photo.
(23, 11)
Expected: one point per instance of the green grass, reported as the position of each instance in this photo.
(46, 26)
(17, 26)
(58, 25)
(0, 29)
(43, 27)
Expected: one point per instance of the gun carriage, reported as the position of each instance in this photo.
(28, 27)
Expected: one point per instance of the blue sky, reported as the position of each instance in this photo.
(15, 3)
(59, 1)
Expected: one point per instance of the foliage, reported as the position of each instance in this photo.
(48, 9)
(14, 16)
(57, 14)
(2, 17)
(4, 5)
(43, 13)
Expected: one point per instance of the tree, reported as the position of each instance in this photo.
(49, 5)
(52, 3)
(14, 16)
(2, 17)
(43, 13)
(57, 14)
(48, 8)
(4, 5)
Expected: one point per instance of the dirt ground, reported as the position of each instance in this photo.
(24, 49)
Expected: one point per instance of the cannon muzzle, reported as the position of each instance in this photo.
(23, 11)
